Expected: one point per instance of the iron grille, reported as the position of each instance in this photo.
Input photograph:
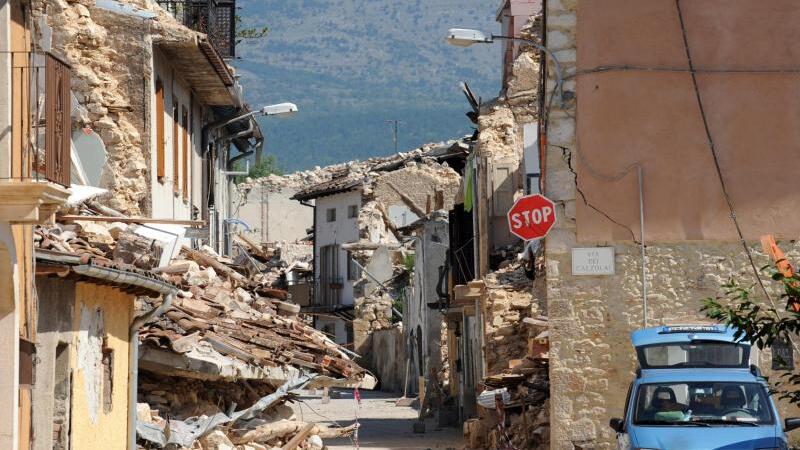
(41, 123)
(215, 18)
(58, 125)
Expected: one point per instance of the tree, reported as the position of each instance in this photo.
(760, 324)
(268, 166)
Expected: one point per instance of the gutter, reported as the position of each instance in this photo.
(126, 278)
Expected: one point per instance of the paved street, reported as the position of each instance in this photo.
(383, 425)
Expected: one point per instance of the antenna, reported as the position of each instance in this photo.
(395, 125)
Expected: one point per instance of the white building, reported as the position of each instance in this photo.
(337, 204)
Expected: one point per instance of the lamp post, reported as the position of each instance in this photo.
(224, 181)
(464, 37)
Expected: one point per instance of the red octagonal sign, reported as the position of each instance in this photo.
(532, 217)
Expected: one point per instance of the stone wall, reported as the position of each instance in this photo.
(592, 361)
(509, 299)
(111, 58)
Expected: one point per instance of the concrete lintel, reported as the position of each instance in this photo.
(30, 202)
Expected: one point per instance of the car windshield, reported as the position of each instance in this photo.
(705, 354)
(702, 404)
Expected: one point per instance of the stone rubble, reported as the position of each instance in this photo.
(254, 325)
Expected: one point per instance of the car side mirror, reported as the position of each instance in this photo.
(618, 425)
(791, 423)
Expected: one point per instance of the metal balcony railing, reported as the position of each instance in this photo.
(215, 18)
(40, 121)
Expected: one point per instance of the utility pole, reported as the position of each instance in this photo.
(395, 124)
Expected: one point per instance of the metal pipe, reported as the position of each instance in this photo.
(133, 364)
(644, 251)
(246, 131)
(237, 158)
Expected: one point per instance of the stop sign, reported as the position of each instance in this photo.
(532, 217)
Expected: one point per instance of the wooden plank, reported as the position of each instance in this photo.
(207, 260)
(191, 223)
(299, 437)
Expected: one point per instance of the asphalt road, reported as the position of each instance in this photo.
(384, 426)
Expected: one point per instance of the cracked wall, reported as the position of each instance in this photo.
(592, 361)
(111, 58)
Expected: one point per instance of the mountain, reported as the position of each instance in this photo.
(350, 65)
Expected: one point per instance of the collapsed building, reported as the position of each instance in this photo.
(218, 346)
(159, 115)
(361, 260)
(495, 309)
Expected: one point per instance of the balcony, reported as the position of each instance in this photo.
(215, 18)
(35, 157)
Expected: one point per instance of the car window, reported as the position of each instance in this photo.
(628, 401)
(706, 402)
(703, 354)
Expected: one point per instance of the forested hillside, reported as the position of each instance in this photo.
(352, 65)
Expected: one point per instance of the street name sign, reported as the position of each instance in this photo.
(532, 217)
(593, 261)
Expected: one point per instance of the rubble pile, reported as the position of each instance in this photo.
(179, 397)
(510, 300)
(514, 407)
(356, 169)
(229, 340)
(225, 312)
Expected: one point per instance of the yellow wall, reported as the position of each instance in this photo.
(109, 430)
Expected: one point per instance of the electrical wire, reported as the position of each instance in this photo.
(714, 155)
(634, 68)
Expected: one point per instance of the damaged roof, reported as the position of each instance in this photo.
(219, 327)
(77, 258)
(334, 186)
(355, 174)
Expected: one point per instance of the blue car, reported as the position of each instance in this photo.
(695, 389)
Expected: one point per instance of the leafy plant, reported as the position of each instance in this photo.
(249, 33)
(762, 325)
(267, 166)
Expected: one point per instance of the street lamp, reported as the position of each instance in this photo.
(280, 110)
(464, 37)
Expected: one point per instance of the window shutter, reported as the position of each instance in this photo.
(160, 173)
(176, 161)
(185, 154)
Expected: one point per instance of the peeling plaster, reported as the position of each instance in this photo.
(90, 356)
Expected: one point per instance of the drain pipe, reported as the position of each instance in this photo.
(133, 364)
(644, 251)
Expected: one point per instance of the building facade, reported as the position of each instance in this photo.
(34, 180)
(650, 151)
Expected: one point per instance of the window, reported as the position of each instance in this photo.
(352, 211)
(713, 403)
(330, 214)
(108, 377)
(176, 166)
(353, 269)
(160, 131)
(695, 354)
(185, 154)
